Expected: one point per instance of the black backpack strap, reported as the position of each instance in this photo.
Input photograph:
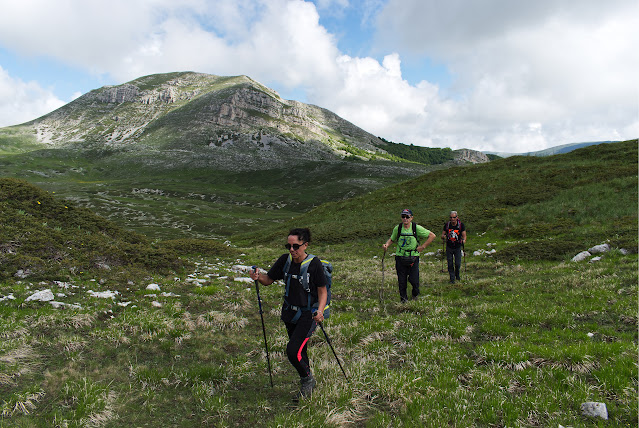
(302, 278)
(287, 278)
(400, 228)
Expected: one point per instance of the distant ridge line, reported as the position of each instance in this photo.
(564, 148)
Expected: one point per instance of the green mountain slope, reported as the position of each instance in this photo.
(43, 236)
(537, 207)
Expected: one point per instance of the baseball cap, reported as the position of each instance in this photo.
(407, 212)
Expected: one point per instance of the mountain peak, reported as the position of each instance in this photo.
(194, 108)
(225, 119)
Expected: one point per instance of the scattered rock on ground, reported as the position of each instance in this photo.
(42, 296)
(581, 256)
(603, 248)
(594, 409)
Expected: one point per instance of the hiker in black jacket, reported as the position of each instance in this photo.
(302, 309)
(455, 236)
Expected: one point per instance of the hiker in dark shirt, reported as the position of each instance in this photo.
(455, 236)
(408, 235)
(301, 310)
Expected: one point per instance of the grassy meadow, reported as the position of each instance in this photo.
(523, 340)
(162, 198)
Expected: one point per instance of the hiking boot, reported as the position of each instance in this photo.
(306, 388)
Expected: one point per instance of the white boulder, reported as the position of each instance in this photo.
(594, 409)
(103, 294)
(42, 296)
(597, 249)
(581, 256)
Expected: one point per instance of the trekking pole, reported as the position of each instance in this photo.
(464, 250)
(443, 255)
(381, 290)
(332, 349)
(259, 302)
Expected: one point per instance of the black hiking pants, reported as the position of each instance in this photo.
(407, 271)
(454, 258)
(298, 335)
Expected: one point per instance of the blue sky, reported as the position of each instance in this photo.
(493, 75)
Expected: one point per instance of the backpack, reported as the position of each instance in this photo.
(400, 232)
(303, 278)
(400, 229)
(455, 236)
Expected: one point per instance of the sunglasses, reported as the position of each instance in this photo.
(405, 216)
(294, 246)
(453, 217)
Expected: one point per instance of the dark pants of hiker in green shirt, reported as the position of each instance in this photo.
(407, 271)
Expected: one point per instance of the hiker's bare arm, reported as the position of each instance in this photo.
(430, 239)
(322, 295)
(387, 244)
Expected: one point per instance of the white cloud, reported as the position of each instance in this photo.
(527, 75)
(568, 68)
(23, 101)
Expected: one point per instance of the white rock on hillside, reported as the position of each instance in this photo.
(103, 294)
(10, 296)
(58, 305)
(482, 251)
(581, 256)
(594, 409)
(42, 296)
(154, 287)
(597, 249)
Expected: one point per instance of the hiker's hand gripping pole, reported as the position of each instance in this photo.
(259, 303)
(332, 349)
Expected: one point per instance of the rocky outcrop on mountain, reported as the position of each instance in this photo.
(470, 156)
(119, 94)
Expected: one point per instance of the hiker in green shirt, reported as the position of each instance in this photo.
(408, 235)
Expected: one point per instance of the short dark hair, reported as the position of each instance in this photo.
(303, 234)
